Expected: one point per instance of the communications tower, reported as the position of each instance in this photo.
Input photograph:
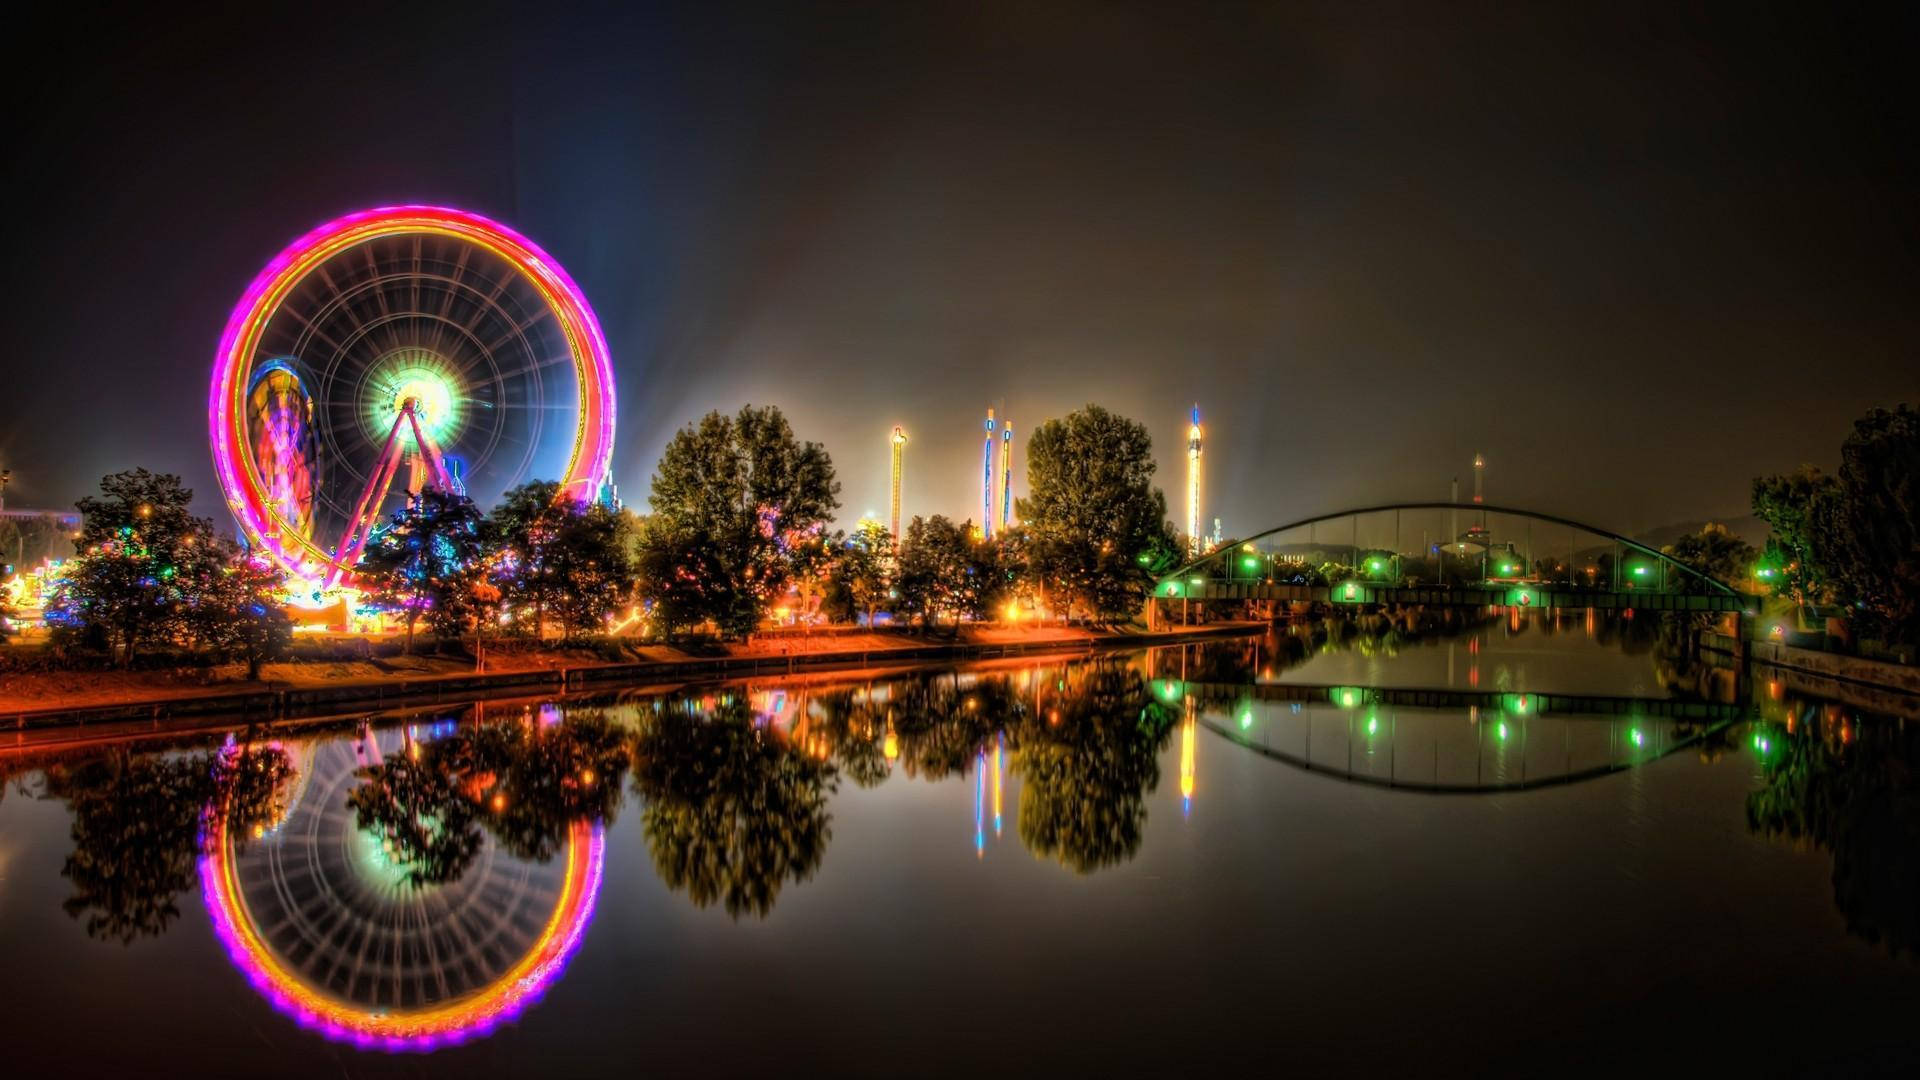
(1479, 479)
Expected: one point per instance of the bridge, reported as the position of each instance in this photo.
(1444, 741)
(1503, 556)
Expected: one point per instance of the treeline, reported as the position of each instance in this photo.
(1848, 544)
(738, 529)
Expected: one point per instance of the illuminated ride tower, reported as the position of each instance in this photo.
(1006, 475)
(899, 441)
(1194, 544)
(986, 482)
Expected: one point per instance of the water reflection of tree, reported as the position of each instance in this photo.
(1861, 802)
(943, 723)
(139, 823)
(421, 816)
(855, 726)
(733, 812)
(525, 783)
(1087, 766)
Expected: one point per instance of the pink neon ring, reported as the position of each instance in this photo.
(226, 415)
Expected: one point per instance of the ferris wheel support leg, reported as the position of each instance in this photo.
(439, 464)
(358, 528)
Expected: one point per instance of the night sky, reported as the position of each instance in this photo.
(1633, 258)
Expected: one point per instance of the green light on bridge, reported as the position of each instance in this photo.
(1522, 598)
(1169, 689)
(1350, 593)
(1347, 697)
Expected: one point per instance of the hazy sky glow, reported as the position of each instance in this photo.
(1633, 258)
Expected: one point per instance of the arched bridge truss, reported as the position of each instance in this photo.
(1533, 560)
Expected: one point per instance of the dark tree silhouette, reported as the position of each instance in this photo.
(1085, 774)
(138, 823)
(732, 813)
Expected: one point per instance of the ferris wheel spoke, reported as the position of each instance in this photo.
(537, 365)
(519, 329)
(373, 273)
(315, 331)
(413, 280)
(513, 407)
(491, 304)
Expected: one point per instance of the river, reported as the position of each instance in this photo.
(1520, 844)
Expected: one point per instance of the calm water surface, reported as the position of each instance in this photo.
(1518, 847)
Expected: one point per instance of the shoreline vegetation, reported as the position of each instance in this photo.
(62, 698)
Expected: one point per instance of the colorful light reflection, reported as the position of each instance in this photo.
(473, 1016)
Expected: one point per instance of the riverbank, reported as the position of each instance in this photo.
(1874, 685)
(37, 700)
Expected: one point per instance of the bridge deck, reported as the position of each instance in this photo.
(1506, 595)
(1528, 703)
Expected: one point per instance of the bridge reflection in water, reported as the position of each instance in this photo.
(1450, 741)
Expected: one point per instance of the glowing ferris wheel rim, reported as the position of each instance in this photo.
(408, 1030)
(247, 493)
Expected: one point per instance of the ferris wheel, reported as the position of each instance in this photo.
(392, 349)
(324, 925)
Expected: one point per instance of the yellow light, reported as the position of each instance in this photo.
(1188, 732)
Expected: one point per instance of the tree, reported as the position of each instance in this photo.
(524, 526)
(944, 571)
(863, 569)
(1866, 532)
(735, 502)
(140, 548)
(1786, 503)
(236, 608)
(560, 557)
(1095, 518)
(1715, 552)
(420, 562)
